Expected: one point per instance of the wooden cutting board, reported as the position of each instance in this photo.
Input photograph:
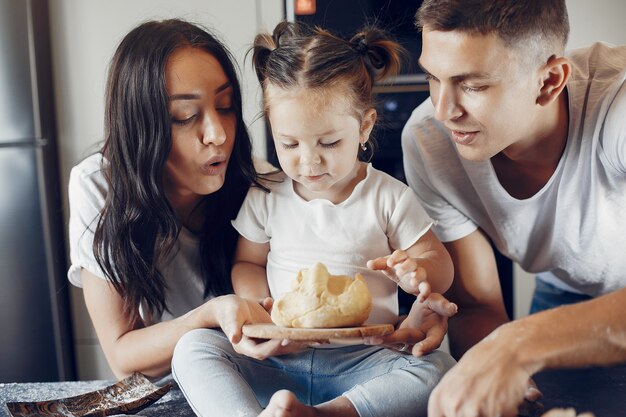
(272, 331)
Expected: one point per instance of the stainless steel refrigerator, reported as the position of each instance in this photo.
(35, 328)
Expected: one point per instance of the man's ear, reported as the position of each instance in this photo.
(555, 74)
(369, 120)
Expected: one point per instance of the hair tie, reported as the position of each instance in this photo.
(361, 46)
(370, 55)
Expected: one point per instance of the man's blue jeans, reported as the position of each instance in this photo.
(548, 296)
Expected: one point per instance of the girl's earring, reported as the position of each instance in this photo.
(364, 146)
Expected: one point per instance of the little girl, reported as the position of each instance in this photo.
(325, 206)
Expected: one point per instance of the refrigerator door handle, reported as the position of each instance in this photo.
(34, 143)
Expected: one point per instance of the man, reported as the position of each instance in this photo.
(523, 146)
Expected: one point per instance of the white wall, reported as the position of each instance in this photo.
(590, 21)
(596, 20)
(84, 36)
(86, 32)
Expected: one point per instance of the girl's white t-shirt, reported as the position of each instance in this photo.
(381, 214)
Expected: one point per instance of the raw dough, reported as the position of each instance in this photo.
(321, 300)
(564, 412)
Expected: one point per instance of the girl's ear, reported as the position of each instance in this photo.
(369, 120)
(555, 74)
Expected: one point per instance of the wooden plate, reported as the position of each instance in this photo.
(272, 331)
(127, 396)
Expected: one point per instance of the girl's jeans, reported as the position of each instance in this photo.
(217, 381)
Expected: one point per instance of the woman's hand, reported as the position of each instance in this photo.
(232, 312)
(405, 271)
(264, 348)
(235, 311)
(423, 329)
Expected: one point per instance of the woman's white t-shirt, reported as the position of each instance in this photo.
(182, 273)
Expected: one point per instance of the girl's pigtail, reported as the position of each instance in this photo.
(381, 54)
(283, 31)
(265, 44)
(261, 49)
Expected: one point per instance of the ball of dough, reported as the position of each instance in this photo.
(321, 300)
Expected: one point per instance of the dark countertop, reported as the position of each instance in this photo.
(599, 390)
(172, 404)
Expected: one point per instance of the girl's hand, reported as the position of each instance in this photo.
(405, 271)
(423, 330)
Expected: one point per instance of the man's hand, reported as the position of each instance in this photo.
(487, 381)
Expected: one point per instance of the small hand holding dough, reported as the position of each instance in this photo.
(321, 300)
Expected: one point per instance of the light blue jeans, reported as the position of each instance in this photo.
(217, 381)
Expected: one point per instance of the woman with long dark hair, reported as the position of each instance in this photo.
(150, 234)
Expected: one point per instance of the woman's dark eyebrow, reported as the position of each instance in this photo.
(223, 87)
(184, 97)
(191, 96)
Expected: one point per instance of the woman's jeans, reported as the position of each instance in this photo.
(217, 381)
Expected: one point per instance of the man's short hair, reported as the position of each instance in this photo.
(514, 21)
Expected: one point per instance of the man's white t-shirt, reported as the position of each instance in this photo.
(381, 214)
(182, 272)
(575, 226)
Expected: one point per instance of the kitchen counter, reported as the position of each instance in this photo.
(599, 390)
(172, 404)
